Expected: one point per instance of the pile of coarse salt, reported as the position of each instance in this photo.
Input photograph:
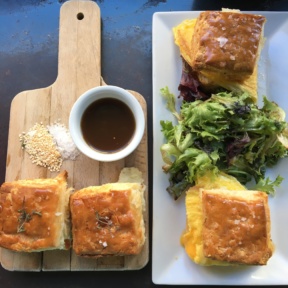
(63, 140)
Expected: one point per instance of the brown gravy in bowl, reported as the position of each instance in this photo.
(108, 125)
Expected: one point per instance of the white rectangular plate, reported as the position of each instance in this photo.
(170, 264)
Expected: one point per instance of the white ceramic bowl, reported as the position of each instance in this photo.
(88, 98)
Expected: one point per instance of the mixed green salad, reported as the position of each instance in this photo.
(228, 133)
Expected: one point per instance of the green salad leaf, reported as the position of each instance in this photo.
(228, 133)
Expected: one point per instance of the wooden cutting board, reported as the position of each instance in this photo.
(79, 69)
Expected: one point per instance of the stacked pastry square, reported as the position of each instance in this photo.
(221, 49)
(44, 214)
(226, 224)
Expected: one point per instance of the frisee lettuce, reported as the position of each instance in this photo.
(227, 133)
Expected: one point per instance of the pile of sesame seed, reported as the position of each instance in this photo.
(41, 147)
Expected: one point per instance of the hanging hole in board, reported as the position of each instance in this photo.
(80, 16)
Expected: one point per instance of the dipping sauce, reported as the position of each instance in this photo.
(108, 125)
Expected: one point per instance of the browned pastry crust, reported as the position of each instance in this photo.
(34, 214)
(108, 220)
(236, 226)
(227, 43)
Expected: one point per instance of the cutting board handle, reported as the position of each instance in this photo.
(79, 45)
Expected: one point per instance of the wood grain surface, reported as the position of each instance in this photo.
(79, 69)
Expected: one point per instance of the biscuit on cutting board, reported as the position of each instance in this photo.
(107, 220)
(34, 214)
